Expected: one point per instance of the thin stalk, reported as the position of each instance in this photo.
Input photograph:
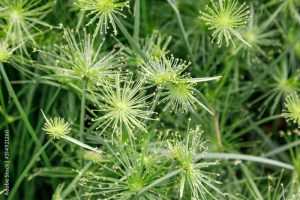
(81, 144)
(256, 124)
(217, 127)
(26, 170)
(282, 148)
(137, 16)
(160, 180)
(182, 29)
(155, 102)
(23, 115)
(82, 113)
(82, 110)
(231, 156)
(256, 191)
(132, 42)
(69, 189)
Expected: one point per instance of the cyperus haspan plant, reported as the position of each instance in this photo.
(140, 116)
(103, 11)
(80, 56)
(224, 18)
(123, 105)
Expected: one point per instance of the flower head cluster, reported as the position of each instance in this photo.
(177, 87)
(103, 11)
(127, 178)
(292, 108)
(224, 18)
(22, 18)
(79, 58)
(5, 52)
(56, 127)
(185, 153)
(123, 105)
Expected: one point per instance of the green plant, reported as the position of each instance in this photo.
(130, 99)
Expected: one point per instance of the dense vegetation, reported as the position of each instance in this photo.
(150, 99)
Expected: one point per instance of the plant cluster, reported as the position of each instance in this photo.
(146, 100)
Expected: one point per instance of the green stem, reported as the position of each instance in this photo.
(22, 113)
(218, 132)
(82, 113)
(137, 14)
(132, 42)
(252, 184)
(182, 29)
(82, 110)
(160, 180)
(256, 124)
(26, 170)
(282, 148)
(231, 156)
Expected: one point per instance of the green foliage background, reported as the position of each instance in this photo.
(247, 102)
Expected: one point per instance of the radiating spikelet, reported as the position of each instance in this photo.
(124, 106)
(103, 12)
(56, 127)
(80, 56)
(224, 18)
(23, 19)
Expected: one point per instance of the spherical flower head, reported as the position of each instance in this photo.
(5, 52)
(224, 18)
(180, 97)
(163, 71)
(92, 156)
(80, 56)
(292, 108)
(56, 127)
(124, 106)
(103, 11)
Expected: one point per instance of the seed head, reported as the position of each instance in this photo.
(92, 156)
(292, 108)
(83, 58)
(123, 105)
(164, 71)
(103, 11)
(56, 127)
(5, 52)
(224, 18)
(180, 96)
